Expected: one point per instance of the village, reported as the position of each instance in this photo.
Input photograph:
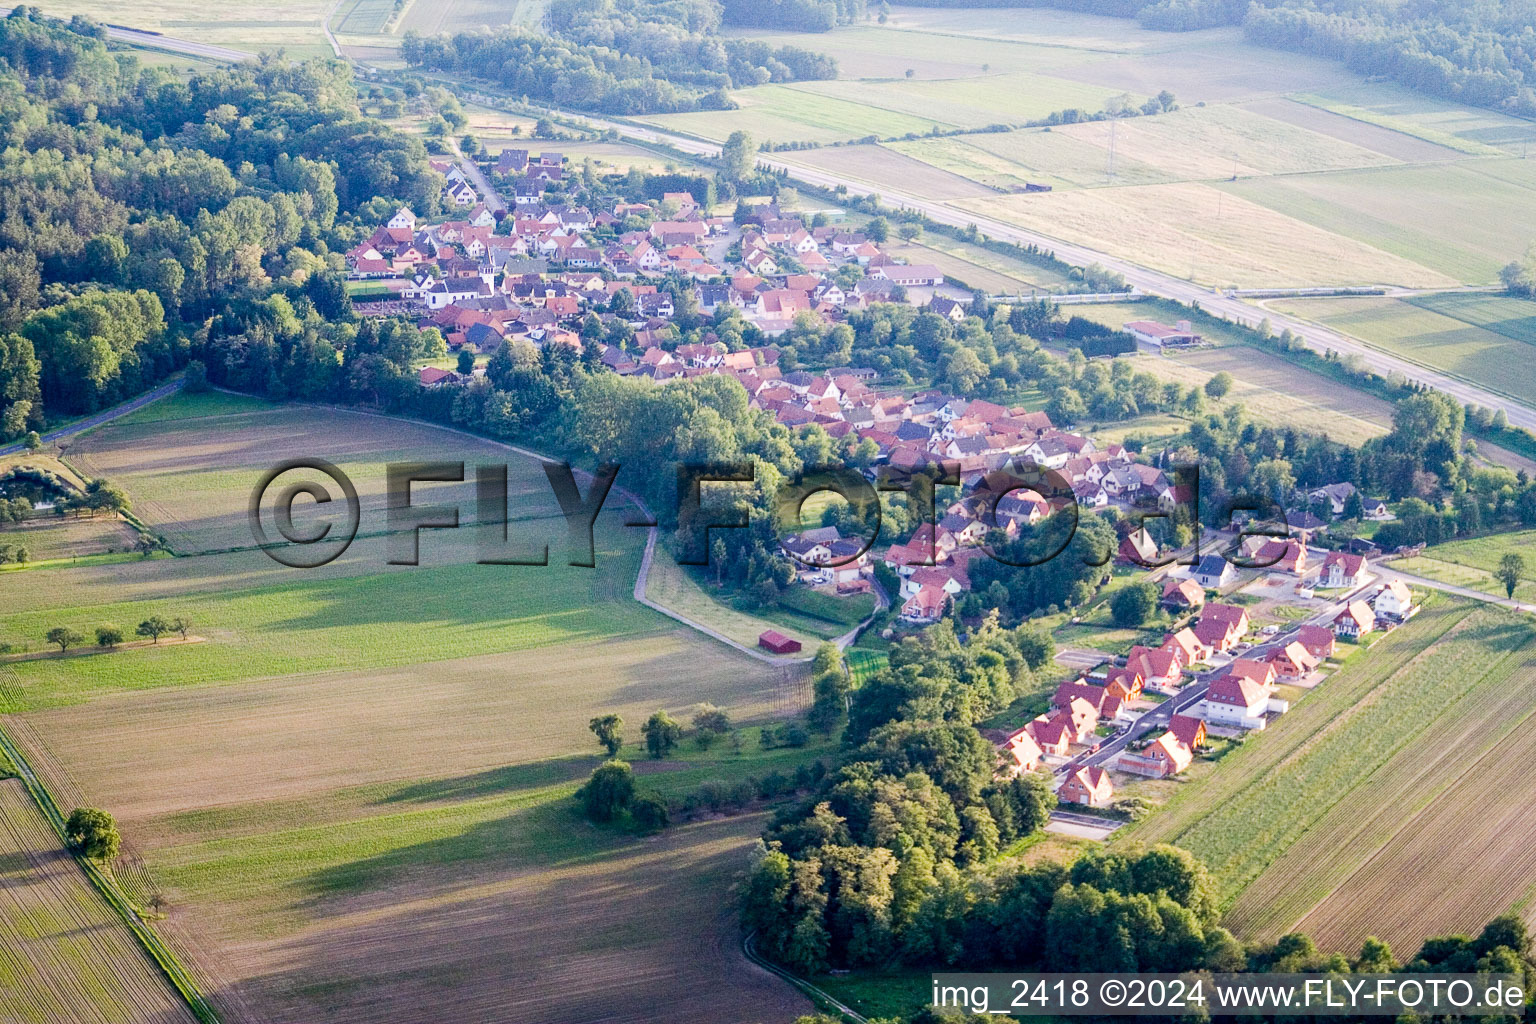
(534, 271)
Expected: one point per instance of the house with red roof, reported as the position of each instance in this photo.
(1235, 702)
(1354, 621)
(1159, 669)
(1188, 730)
(1342, 569)
(1089, 787)
(1318, 640)
(1293, 661)
(1221, 626)
(1163, 757)
(1026, 753)
(1187, 647)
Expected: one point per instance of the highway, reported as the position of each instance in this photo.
(174, 45)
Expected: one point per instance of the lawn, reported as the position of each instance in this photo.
(1300, 810)
(1470, 563)
(1271, 389)
(1446, 332)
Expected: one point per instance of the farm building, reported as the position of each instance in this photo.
(778, 643)
(916, 275)
(1150, 332)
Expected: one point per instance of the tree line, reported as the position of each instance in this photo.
(624, 56)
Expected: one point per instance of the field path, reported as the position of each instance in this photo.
(105, 416)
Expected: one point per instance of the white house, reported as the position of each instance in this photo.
(1214, 572)
(1394, 601)
(1235, 701)
(1342, 569)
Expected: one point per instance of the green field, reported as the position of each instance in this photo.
(1487, 339)
(1363, 753)
(1470, 563)
(1472, 130)
(1465, 220)
(362, 17)
(354, 792)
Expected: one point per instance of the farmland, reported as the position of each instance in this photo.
(1470, 563)
(1195, 230)
(65, 955)
(1487, 339)
(1366, 768)
(1271, 389)
(293, 25)
(299, 781)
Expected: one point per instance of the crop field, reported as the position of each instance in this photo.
(1464, 220)
(1388, 141)
(65, 955)
(1303, 813)
(1014, 97)
(247, 25)
(430, 17)
(889, 52)
(1450, 340)
(1199, 231)
(887, 166)
(1213, 66)
(1476, 131)
(1222, 142)
(1010, 159)
(355, 793)
(783, 113)
(362, 17)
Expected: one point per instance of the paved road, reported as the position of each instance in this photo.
(186, 46)
(1157, 719)
(106, 416)
(1388, 572)
(482, 184)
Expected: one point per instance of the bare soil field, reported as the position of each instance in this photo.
(65, 955)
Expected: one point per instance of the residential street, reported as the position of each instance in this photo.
(1157, 719)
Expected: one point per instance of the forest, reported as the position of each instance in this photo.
(627, 57)
(141, 214)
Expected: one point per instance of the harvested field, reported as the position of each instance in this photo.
(190, 477)
(300, 734)
(887, 167)
(1223, 142)
(1214, 66)
(886, 52)
(65, 955)
(1193, 230)
(1010, 159)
